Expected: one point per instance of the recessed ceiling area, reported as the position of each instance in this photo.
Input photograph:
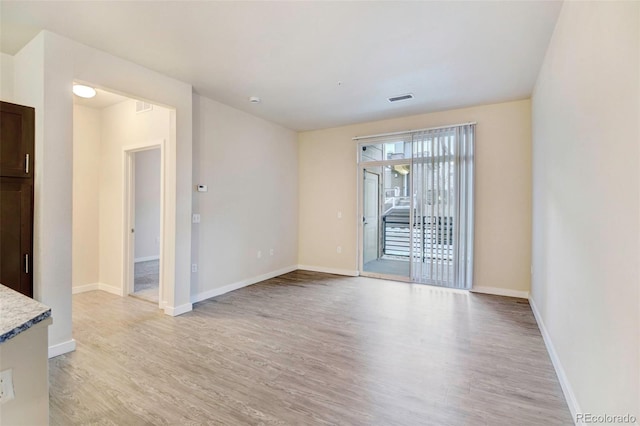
(314, 64)
(102, 99)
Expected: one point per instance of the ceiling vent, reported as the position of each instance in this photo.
(401, 97)
(142, 106)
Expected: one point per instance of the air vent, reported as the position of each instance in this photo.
(401, 97)
(143, 107)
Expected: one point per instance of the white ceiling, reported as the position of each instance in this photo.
(294, 54)
(102, 99)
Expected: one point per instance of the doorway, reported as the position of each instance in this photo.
(146, 218)
(416, 205)
(143, 189)
(109, 130)
(385, 221)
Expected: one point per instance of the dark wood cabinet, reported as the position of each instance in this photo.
(16, 213)
(16, 196)
(17, 136)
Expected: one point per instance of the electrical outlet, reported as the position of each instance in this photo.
(271, 251)
(194, 267)
(6, 386)
(339, 249)
(259, 254)
(339, 215)
(196, 218)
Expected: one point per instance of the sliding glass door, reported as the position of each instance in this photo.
(386, 206)
(417, 206)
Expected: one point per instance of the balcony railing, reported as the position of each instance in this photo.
(437, 238)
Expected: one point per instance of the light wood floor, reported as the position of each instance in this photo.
(307, 349)
(146, 279)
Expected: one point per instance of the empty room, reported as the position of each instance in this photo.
(319, 213)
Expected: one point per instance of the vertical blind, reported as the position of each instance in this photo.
(442, 215)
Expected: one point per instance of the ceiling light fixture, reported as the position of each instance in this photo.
(254, 99)
(401, 97)
(84, 91)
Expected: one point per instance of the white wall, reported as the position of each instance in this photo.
(147, 204)
(328, 176)
(122, 127)
(44, 73)
(39, 82)
(250, 167)
(585, 204)
(87, 127)
(6, 77)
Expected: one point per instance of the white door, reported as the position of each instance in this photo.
(371, 211)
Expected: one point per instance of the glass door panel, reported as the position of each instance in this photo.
(386, 205)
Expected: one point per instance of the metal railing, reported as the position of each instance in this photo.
(437, 238)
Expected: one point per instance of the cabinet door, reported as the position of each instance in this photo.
(16, 230)
(16, 140)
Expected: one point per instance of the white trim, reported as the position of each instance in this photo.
(97, 286)
(572, 401)
(62, 348)
(111, 289)
(145, 259)
(178, 310)
(238, 285)
(497, 291)
(336, 271)
(84, 288)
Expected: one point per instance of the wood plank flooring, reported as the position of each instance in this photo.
(308, 349)
(146, 280)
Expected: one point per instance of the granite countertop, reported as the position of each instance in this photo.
(18, 313)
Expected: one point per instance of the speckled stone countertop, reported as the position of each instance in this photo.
(18, 313)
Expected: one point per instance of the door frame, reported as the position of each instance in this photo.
(360, 189)
(128, 197)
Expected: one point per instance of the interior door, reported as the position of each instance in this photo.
(371, 212)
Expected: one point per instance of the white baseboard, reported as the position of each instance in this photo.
(237, 285)
(97, 286)
(178, 310)
(85, 288)
(146, 258)
(497, 291)
(572, 402)
(335, 271)
(111, 289)
(62, 348)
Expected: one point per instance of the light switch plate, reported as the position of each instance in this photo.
(6, 386)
